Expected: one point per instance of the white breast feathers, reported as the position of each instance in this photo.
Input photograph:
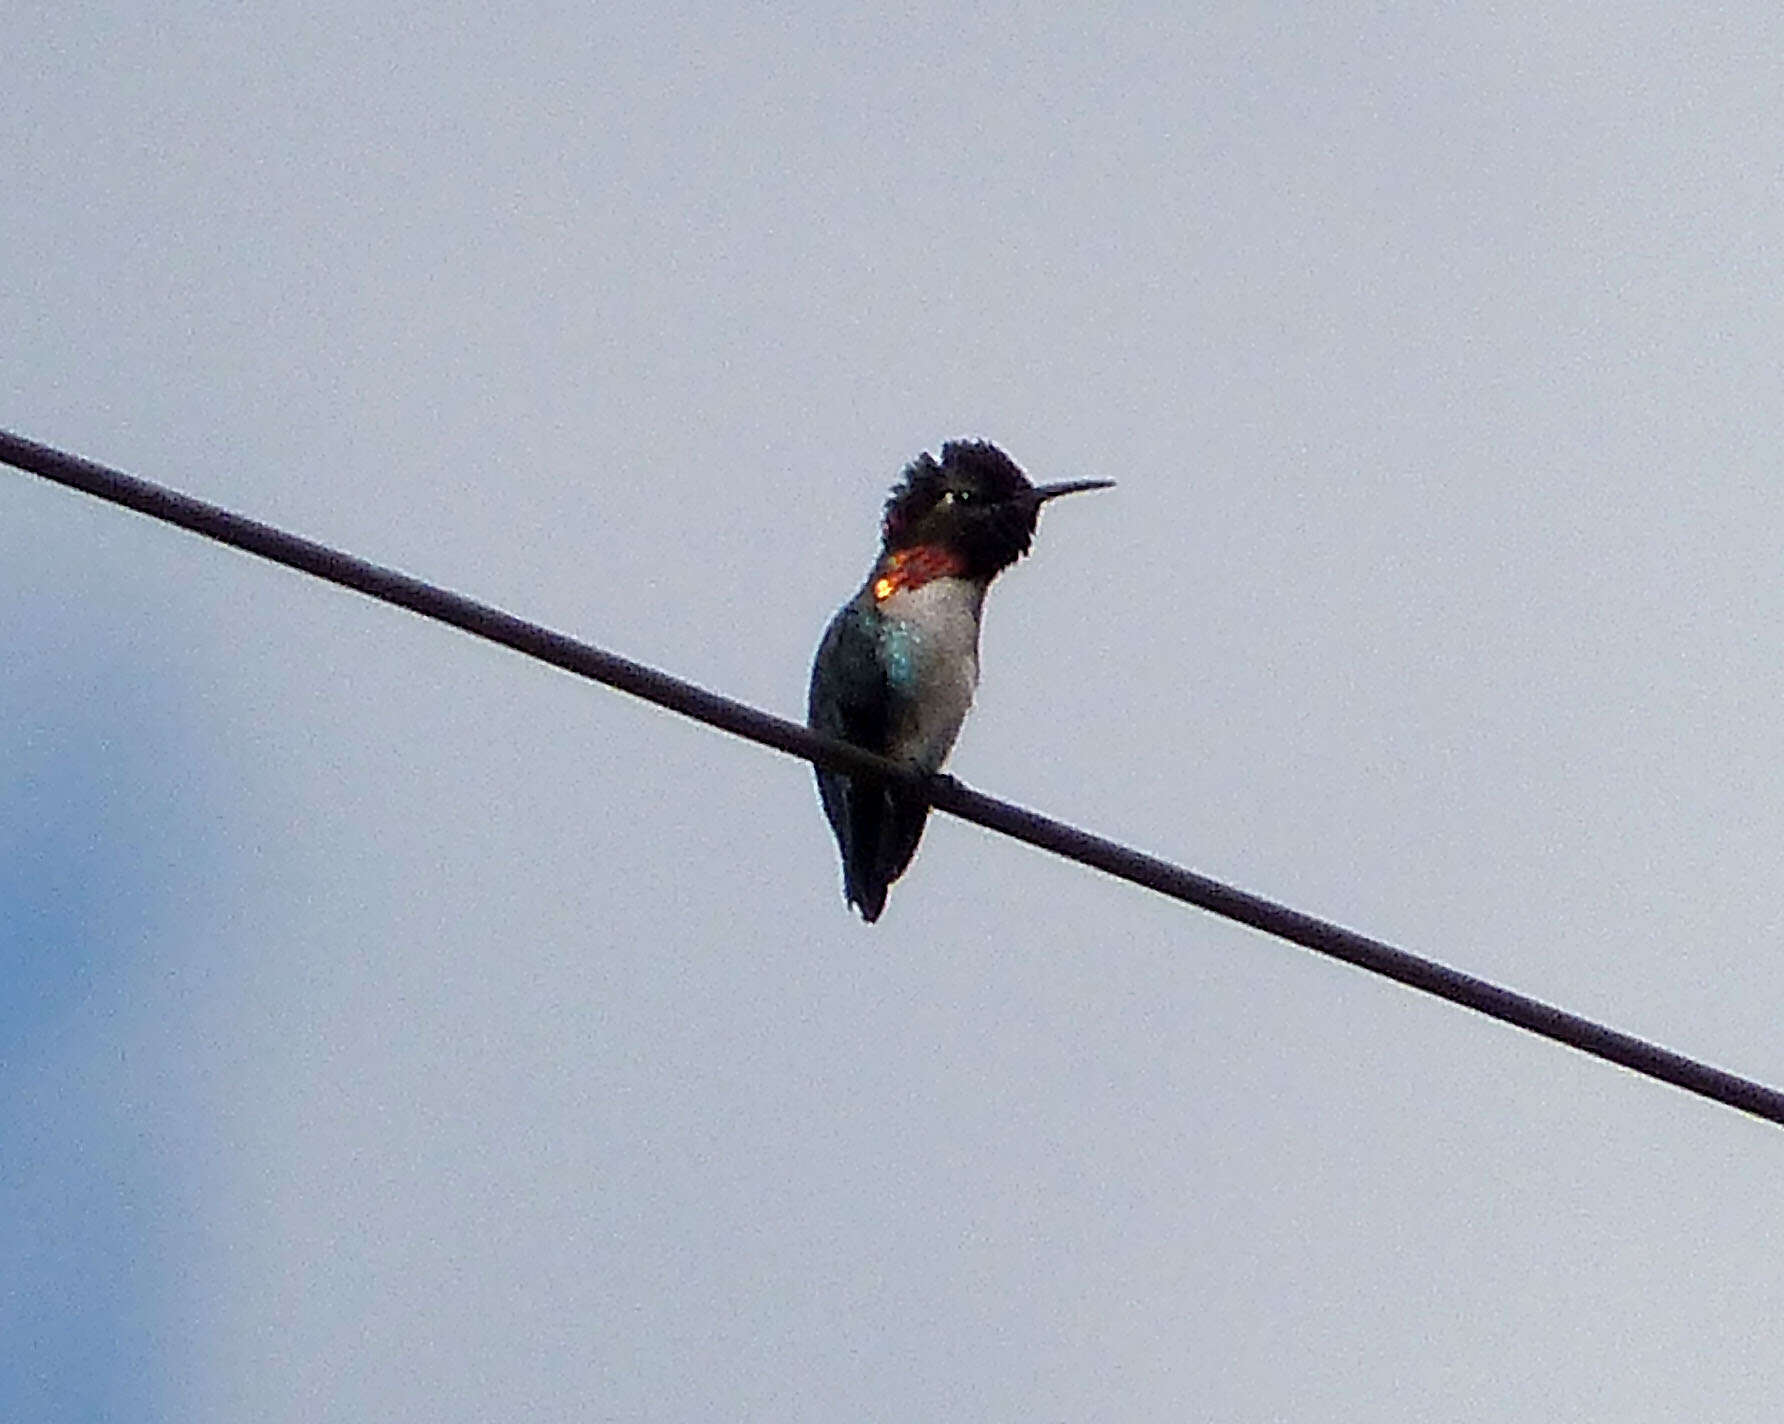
(932, 661)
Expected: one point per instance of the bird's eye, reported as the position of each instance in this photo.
(960, 496)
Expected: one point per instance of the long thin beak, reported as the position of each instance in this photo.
(1046, 492)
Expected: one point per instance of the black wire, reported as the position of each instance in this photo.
(944, 792)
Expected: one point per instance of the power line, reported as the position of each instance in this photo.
(943, 792)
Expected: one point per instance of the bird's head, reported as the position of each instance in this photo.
(974, 502)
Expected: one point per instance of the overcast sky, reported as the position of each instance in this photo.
(392, 1028)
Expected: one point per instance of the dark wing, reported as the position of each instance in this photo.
(877, 828)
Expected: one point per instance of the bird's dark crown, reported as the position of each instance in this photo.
(974, 501)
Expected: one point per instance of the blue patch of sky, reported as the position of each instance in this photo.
(97, 786)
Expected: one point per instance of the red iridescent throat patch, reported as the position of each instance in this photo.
(914, 567)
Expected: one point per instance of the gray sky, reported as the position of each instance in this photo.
(393, 1028)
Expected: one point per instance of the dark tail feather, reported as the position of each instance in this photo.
(879, 834)
(869, 900)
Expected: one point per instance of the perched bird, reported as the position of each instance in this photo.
(896, 670)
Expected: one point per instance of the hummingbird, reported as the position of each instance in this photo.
(898, 665)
